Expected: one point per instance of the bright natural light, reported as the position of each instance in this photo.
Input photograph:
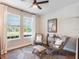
(13, 26)
(27, 26)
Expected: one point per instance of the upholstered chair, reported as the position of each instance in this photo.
(38, 48)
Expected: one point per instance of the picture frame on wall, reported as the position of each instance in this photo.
(52, 25)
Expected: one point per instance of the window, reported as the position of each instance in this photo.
(13, 26)
(19, 28)
(27, 26)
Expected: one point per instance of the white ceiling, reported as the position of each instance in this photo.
(53, 5)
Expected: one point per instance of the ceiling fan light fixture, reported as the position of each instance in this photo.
(34, 5)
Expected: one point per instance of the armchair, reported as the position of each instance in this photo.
(38, 39)
(38, 48)
(56, 44)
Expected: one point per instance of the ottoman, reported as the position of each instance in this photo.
(39, 50)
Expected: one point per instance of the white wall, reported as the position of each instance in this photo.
(38, 17)
(68, 23)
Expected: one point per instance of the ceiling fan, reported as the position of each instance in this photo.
(36, 4)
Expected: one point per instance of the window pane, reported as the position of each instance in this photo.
(27, 27)
(13, 26)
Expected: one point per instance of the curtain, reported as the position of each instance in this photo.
(34, 28)
(3, 42)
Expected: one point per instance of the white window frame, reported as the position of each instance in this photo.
(19, 27)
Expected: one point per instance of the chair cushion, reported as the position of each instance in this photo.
(39, 48)
(39, 38)
(58, 41)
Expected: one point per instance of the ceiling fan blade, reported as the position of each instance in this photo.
(42, 2)
(39, 7)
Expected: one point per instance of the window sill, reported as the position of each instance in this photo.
(18, 43)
